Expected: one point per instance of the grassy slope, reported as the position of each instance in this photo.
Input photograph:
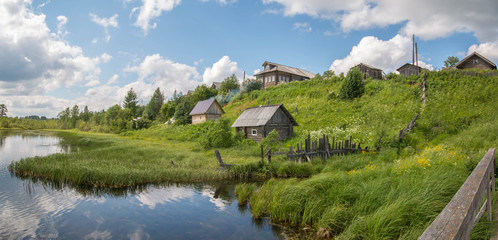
(394, 194)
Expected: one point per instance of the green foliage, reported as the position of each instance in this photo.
(353, 85)
(154, 106)
(251, 85)
(3, 110)
(131, 102)
(328, 74)
(272, 140)
(451, 61)
(202, 92)
(182, 111)
(218, 134)
(228, 84)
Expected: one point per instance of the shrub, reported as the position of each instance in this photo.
(272, 140)
(353, 85)
(219, 134)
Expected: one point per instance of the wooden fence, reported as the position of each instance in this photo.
(464, 210)
(322, 148)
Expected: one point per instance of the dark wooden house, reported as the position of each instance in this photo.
(274, 74)
(369, 71)
(257, 122)
(476, 60)
(216, 85)
(409, 69)
(206, 110)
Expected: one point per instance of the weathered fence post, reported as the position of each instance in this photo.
(269, 155)
(262, 155)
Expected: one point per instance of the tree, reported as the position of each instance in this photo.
(328, 74)
(154, 107)
(85, 115)
(251, 85)
(64, 118)
(229, 84)
(353, 85)
(130, 102)
(451, 62)
(3, 110)
(202, 92)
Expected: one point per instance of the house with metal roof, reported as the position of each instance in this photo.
(206, 110)
(476, 60)
(369, 71)
(257, 122)
(275, 73)
(216, 85)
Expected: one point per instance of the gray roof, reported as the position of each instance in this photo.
(480, 56)
(260, 115)
(287, 69)
(203, 106)
(216, 85)
(408, 65)
(368, 66)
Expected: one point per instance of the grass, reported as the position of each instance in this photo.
(394, 194)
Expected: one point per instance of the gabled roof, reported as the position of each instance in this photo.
(216, 85)
(478, 55)
(287, 69)
(368, 66)
(408, 65)
(203, 106)
(260, 115)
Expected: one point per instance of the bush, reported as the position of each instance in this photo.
(272, 140)
(353, 85)
(219, 134)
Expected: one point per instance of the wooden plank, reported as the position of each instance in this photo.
(457, 218)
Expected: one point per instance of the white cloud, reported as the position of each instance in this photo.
(42, 61)
(220, 70)
(302, 27)
(425, 18)
(489, 50)
(152, 9)
(386, 55)
(113, 79)
(106, 23)
(155, 71)
(222, 2)
(61, 26)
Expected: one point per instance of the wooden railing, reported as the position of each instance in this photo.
(464, 210)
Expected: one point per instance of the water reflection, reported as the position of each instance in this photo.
(31, 208)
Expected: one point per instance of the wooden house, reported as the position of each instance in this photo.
(257, 122)
(206, 110)
(369, 71)
(409, 69)
(274, 74)
(216, 85)
(476, 60)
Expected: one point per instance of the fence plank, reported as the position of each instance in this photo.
(457, 218)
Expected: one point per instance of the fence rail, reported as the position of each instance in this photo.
(322, 148)
(464, 210)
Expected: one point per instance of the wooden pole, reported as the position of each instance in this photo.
(269, 155)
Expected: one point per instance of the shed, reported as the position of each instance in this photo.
(206, 110)
(409, 69)
(257, 122)
(369, 71)
(216, 85)
(476, 60)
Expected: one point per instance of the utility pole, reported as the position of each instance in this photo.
(413, 50)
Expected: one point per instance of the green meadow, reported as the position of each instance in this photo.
(392, 194)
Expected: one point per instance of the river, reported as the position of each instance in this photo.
(31, 209)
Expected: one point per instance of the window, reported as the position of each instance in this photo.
(475, 61)
(254, 132)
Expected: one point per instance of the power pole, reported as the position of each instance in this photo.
(413, 50)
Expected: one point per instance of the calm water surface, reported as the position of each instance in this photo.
(35, 210)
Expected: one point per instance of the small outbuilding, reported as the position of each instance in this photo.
(206, 110)
(476, 60)
(409, 69)
(257, 122)
(369, 71)
(216, 85)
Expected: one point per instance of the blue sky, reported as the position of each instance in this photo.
(61, 53)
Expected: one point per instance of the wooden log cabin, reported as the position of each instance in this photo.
(369, 71)
(409, 69)
(257, 122)
(206, 110)
(274, 74)
(476, 60)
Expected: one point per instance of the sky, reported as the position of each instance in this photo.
(58, 53)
